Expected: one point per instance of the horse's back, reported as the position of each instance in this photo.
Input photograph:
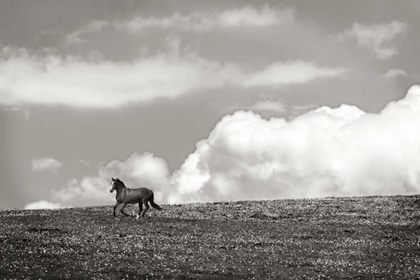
(137, 195)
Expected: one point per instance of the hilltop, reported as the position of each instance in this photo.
(360, 237)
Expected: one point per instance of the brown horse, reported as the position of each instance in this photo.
(129, 196)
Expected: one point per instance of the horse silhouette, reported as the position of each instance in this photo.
(130, 196)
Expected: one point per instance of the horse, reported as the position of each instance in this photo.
(130, 196)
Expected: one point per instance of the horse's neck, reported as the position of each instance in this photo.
(120, 189)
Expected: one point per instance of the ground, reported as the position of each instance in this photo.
(330, 238)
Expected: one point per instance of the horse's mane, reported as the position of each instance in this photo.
(121, 182)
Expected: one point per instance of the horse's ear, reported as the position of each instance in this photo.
(112, 178)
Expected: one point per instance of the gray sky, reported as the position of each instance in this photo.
(83, 83)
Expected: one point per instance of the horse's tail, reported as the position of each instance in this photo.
(152, 202)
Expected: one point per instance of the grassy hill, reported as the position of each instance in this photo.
(363, 237)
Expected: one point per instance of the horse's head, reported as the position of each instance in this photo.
(113, 184)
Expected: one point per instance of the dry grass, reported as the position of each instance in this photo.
(369, 237)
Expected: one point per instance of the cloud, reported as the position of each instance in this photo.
(77, 37)
(42, 204)
(73, 81)
(83, 162)
(202, 22)
(376, 37)
(267, 105)
(340, 151)
(325, 152)
(139, 170)
(89, 188)
(47, 163)
(394, 73)
(294, 72)
(268, 108)
(24, 112)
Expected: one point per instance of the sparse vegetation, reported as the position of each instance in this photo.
(331, 238)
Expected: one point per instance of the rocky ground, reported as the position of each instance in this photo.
(331, 238)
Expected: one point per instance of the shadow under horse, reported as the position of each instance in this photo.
(125, 196)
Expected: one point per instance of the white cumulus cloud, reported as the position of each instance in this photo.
(340, 151)
(325, 152)
(90, 188)
(46, 163)
(139, 170)
(42, 204)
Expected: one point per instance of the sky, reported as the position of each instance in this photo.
(206, 101)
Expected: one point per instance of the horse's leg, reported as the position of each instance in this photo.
(115, 208)
(140, 209)
(122, 209)
(146, 207)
